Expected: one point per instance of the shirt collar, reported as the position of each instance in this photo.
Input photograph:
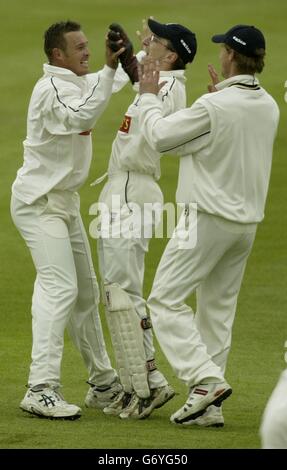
(244, 79)
(166, 73)
(65, 74)
(54, 70)
(172, 73)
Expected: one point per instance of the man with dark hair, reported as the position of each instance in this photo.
(225, 140)
(134, 169)
(54, 37)
(65, 105)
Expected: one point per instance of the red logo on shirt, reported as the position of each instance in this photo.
(126, 124)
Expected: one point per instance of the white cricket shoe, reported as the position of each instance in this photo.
(161, 395)
(49, 403)
(158, 397)
(140, 408)
(131, 411)
(98, 397)
(201, 397)
(212, 417)
(121, 402)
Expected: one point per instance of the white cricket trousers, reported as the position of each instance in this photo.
(197, 346)
(274, 422)
(122, 260)
(65, 289)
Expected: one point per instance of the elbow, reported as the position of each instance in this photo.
(159, 144)
(86, 117)
(157, 137)
(84, 121)
(81, 125)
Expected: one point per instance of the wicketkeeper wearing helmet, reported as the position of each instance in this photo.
(133, 171)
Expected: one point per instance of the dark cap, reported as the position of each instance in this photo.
(182, 39)
(242, 38)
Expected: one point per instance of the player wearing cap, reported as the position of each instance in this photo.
(134, 169)
(225, 139)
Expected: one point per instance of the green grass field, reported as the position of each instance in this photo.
(260, 329)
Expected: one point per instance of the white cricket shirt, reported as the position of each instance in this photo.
(225, 139)
(58, 149)
(130, 150)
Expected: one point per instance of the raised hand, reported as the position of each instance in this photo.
(119, 38)
(214, 78)
(149, 77)
(145, 34)
(112, 54)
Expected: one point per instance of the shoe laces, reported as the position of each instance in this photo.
(126, 399)
(154, 392)
(59, 395)
(144, 403)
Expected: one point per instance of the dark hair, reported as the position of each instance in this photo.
(54, 36)
(178, 64)
(248, 65)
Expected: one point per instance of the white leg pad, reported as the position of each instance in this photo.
(121, 360)
(120, 356)
(127, 339)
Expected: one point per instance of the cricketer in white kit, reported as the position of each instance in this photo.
(225, 140)
(273, 428)
(65, 105)
(134, 169)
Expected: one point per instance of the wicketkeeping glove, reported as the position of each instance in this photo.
(128, 59)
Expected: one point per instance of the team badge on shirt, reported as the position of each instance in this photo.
(126, 124)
